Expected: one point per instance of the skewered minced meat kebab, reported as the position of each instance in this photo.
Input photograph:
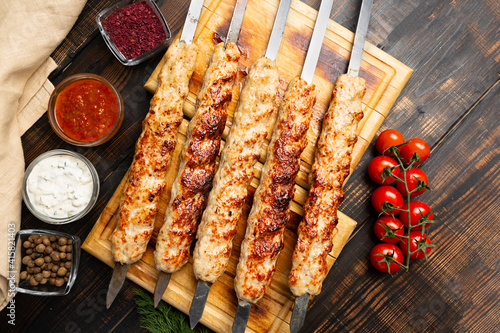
(254, 117)
(330, 168)
(198, 160)
(153, 151)
(270, 210)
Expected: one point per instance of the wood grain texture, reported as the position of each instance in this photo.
(453, 48)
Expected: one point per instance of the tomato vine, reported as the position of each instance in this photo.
(410, 231)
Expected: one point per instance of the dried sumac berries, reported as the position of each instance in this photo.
(135, 29)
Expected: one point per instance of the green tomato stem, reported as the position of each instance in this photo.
(408, 197)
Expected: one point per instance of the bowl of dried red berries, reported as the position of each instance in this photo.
(134, 30)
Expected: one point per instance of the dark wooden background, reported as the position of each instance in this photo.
(452, 101)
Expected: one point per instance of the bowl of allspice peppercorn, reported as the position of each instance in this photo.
(48, 262)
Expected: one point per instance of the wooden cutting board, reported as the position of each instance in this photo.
(385, 78)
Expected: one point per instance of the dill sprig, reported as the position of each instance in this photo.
(164, 318)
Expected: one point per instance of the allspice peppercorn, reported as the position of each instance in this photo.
(55, 256)
(33, 281)
(39, 261)
(40, 248)
(62, 271)
(59, 282)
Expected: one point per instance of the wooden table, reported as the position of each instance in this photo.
(452, 100)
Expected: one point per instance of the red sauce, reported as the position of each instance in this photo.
(86, 110)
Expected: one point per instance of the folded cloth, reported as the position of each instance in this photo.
(30, 30)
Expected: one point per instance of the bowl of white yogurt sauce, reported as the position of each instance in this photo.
(60, 186)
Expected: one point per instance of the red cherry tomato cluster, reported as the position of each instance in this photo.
(403, 222)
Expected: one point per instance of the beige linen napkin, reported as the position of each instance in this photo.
(30, 30)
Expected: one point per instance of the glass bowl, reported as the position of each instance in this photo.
(76, 110)
(45, 289)
(145, 38)
(55, 183)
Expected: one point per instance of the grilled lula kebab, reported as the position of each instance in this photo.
(153, 151)
(198, 157)
(253, 119)
(330, 169)
(270, 211)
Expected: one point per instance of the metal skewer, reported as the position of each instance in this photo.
(198, 304)
(116, 283)
(243, 311)
(301, 303)
(241, 317)
(120, 271)
(161, 286)
(203, 288)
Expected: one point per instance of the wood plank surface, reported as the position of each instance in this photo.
(385, 78)
(451, 100)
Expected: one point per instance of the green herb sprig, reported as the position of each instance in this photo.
(164, 318)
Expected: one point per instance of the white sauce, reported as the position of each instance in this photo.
(60, 186)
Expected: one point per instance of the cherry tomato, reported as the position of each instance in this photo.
(416, 251)
(418, 210)
(388, 253)
(388, 228)
(415, 145)
(413, 175)
(387, 139)
(385, 194)
(377, 165)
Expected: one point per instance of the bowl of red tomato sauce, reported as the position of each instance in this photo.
(85, 110)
